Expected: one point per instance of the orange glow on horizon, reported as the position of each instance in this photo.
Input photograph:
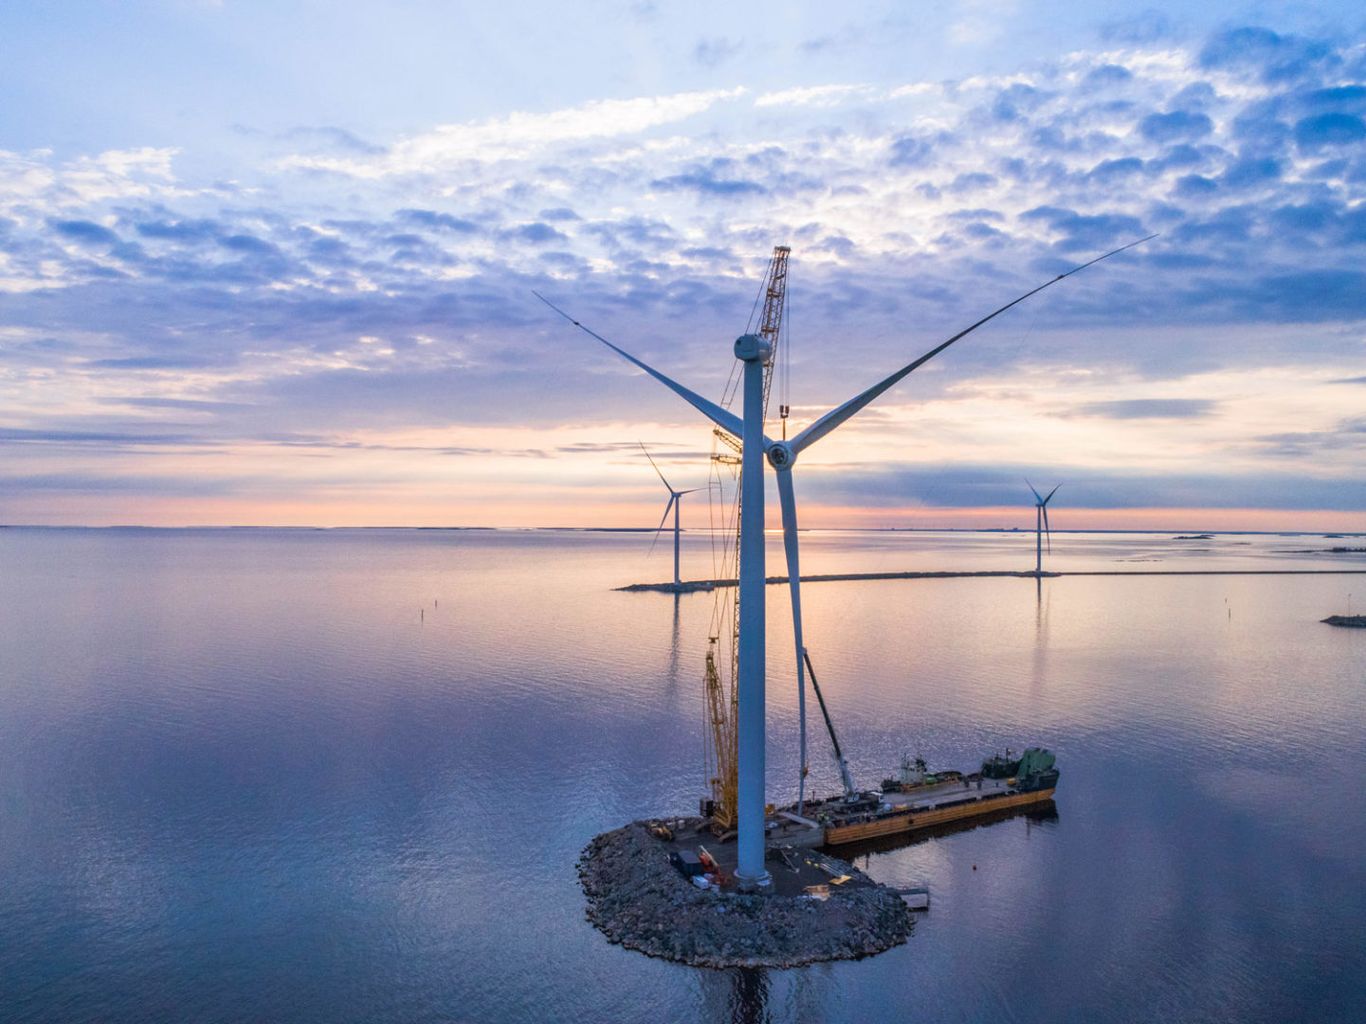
(346, 510)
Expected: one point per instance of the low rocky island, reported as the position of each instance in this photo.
(817, 908)
(1351, 621)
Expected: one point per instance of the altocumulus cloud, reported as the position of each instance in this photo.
(389, 281)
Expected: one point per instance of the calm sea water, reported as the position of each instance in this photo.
(344, 776)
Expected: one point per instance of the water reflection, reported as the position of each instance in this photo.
(748, 1003)
(236, 770)
(1045, 813)
(1039, 662)
(674, 645)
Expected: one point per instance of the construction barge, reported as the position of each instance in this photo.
(919, 799)
(916, 799)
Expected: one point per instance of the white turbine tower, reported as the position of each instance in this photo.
(1041, 528)
(753, 350)
(675, 503)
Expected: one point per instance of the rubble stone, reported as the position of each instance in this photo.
(638, 899)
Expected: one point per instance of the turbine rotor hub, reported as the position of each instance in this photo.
(780, 455)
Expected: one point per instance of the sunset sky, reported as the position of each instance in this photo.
(273, 263)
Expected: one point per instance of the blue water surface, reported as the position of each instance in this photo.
(344, 776)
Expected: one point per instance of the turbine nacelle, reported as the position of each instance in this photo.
(1040, 501)
(749, 347)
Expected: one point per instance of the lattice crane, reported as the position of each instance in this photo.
(722, 739)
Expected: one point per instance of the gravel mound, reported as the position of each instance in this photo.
(637, 898)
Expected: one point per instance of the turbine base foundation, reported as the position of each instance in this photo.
(639, 899)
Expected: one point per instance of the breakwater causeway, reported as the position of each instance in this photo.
(693, 586)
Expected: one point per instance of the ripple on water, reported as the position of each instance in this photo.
(243, 778)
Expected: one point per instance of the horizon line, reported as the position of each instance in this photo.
(777, 531)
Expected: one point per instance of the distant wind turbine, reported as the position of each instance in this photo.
(1041, 529)
(753, 351)
(675, 503)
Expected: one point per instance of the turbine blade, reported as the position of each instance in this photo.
(1047, 530)
(787, 499)
(660, 528)
(690, 490)
(1031, 487)
(727, 421)
(837, 416)
(657, 469)
(1051, 493)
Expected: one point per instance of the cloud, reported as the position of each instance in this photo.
(911, 151)
(1004, 486)
(1177, 126)
(190, 404)
(971, 181)
(84, 231)
(36, 178)
(1110, 171)
(1107, 74)
(537, 233)
(1251, 172)
(811, 96)
(167, 361)
(1325, 130)
(1348, 99)
(1015, 101)
(1195, 187)
(438, 221)
(249, 245)
(333, 137)
(179, 230)
(1274, 56)
(714, 51)
(390, 288)
(144, 485)
(1348, 434)
(1080, 231)
(707, 180)
(1149, 408)
(10, 435)
(519, 134)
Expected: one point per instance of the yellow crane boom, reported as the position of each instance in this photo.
(724, 767)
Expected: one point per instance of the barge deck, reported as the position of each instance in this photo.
(919, 800)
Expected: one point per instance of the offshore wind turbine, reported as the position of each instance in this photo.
(753, 351)
(675, 503)
(1041, 528)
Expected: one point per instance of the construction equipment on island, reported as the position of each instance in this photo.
(743, 620)
(917, 799)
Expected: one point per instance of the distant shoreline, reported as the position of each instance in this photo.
(993, 530)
